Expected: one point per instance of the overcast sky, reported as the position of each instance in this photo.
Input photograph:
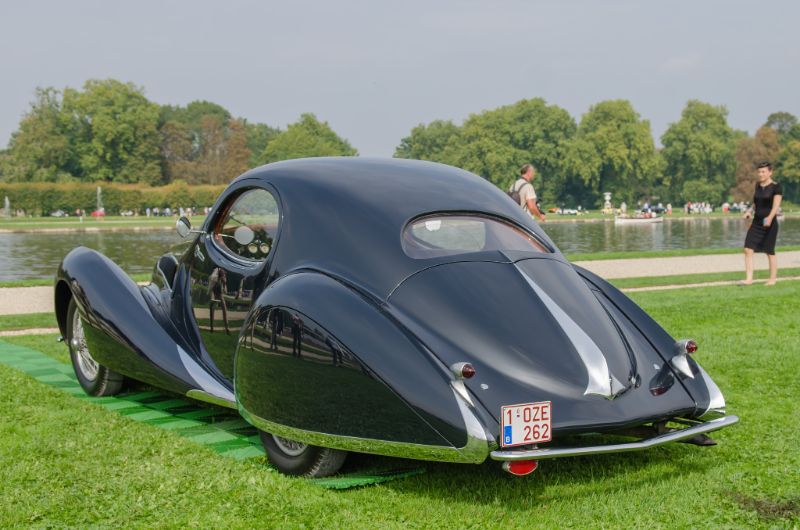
(375, 69)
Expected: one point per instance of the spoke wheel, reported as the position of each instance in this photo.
(94, 378)
(87, 364)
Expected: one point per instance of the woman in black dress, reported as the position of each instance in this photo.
(763, 230)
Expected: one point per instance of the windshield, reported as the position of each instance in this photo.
(446, 235)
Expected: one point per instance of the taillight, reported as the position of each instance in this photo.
(463, 370)
(520, 467)
(686, 346)
(680, 361)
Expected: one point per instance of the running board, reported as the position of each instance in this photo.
(559, 452)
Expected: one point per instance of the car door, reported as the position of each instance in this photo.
(229, 268)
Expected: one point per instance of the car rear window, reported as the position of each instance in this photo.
(446, 235)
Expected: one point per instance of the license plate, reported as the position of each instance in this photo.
(525, 424)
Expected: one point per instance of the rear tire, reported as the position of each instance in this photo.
(95, 379)
(295, 458)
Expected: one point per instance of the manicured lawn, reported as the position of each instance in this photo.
(65, 462)
(19, 223)
(594, 256)
(143, 277)
(28, 321)
(685, 279)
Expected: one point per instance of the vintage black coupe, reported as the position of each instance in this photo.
(394, 307)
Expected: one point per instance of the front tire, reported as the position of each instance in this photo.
(95, 379)
(295, 458)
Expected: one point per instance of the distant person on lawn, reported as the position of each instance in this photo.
(527, 195)
(763, 232)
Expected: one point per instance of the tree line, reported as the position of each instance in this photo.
(612, 149)
(110, 132)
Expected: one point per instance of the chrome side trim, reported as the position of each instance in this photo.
(474, 451)
(460, 389)
(680, 363)
(207, 383)
(202, 395)
(558, 452)
(476, 434)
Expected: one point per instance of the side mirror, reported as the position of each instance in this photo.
(184, 227)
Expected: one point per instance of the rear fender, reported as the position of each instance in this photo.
(358, 381)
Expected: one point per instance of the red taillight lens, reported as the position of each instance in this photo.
(691, 346)
(521, 467)
(462, 370)
(467, 371)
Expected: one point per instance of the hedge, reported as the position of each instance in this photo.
(43, 198)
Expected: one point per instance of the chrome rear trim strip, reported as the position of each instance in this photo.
(474, 452)
(559, 452)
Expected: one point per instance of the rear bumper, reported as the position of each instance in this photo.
(559, 452)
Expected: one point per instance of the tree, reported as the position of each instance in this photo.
(428, 142)
(237, 153)
(176, 151)
(700, 146)
(192, 114)
(495, 143)
(115, 132)
(781, 122)
(209, 164)
(308, 137)
(788, 171)
(749, 152)
(258, 135)
(613, 151)
(203, 144)
(41, 150)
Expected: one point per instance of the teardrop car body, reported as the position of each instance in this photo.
(385, 306)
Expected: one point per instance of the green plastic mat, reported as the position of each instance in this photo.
(219, 429)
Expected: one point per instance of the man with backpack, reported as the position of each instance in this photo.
(523, 193)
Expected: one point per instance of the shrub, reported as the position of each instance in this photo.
(42, 198)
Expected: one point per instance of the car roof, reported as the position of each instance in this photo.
(345, 215)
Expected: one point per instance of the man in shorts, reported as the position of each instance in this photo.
(527, 195)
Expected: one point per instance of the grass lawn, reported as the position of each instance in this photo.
(37, 282)
(65, 462)
(685, 279)
(595, 256)
(27, 321)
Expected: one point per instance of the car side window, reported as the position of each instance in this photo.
(249, 226)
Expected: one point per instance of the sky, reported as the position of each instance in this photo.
(375, 69)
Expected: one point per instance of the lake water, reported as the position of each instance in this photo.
(37, 255)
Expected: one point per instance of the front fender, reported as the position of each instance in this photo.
(121, 331)
(322, 364)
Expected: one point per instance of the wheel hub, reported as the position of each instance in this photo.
(87, 364)
(290, 447)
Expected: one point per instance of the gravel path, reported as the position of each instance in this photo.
(639, 267)
(31, 331)
(19, 300)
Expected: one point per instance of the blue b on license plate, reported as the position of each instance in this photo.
(524, 424)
